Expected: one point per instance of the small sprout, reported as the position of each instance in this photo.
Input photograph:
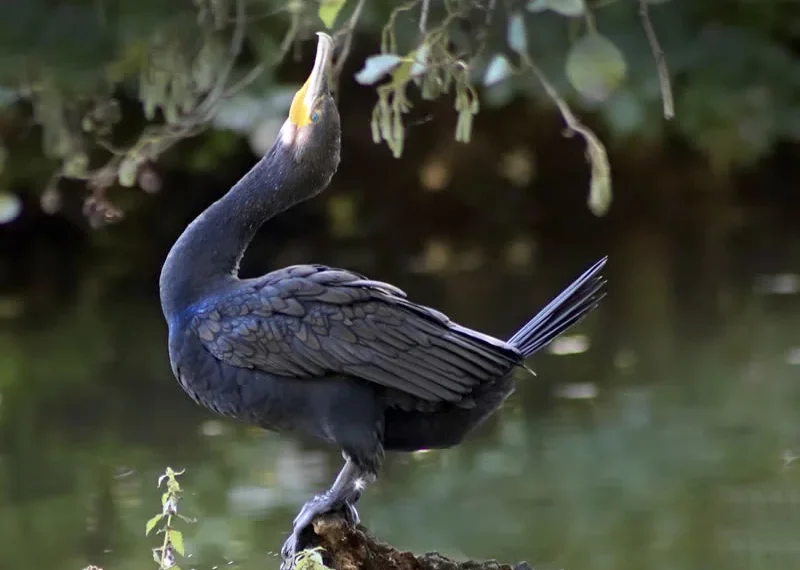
(173, 538)
(310, 559)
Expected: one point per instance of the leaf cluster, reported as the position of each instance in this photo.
(173, 544)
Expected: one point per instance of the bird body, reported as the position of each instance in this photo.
(335, 356)
(325, 352)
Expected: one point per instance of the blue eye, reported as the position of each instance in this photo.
(314, 117)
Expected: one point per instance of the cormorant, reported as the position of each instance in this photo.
(326, 352)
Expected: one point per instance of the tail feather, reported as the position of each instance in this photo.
(569, 307)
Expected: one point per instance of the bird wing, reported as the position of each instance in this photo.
(308, 321)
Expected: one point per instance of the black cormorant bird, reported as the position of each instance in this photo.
(326, 352)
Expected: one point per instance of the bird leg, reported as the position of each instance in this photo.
(343, 494)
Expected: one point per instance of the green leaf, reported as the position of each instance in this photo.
(157, 555)
(310, 559)
(176, 539)
(376, 67)
(516, 35)
(497, 70)
(164, 498)
(570, 8)
(595, 67)
(151, 524)
(600, 186)
(328, 10)
(127, 172)
(420, 60)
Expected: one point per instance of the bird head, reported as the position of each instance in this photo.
(312, 132)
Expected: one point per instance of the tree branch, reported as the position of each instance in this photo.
(423, 18)
(346, 548)
(661, 61)
(348, 31)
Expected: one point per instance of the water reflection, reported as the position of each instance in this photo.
(652, 438)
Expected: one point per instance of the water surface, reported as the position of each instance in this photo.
(653, 437)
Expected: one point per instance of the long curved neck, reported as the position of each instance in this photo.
(207, 254)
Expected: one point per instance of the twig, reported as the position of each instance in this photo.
(253, 74)
(600, 185)
(206, 108)
(347, 31)
(590, 22)
(661, 61)
(423, 18)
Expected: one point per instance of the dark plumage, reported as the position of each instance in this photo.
(326, 352)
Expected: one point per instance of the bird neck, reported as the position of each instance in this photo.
(205, 258)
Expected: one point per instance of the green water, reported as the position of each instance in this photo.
(657, 443)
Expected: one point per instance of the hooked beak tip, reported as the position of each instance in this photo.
(318, 80)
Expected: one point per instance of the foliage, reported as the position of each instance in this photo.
(736, 95)
(164, 555)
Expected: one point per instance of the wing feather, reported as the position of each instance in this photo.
(309, 321)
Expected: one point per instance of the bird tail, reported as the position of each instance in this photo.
(569, 307)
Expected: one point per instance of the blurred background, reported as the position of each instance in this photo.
(659, 433)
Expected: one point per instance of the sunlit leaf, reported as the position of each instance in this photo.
(497, 70)
(151, 524)
(420, 60)
(595, 67)
(329, 9)
(516, 35)
(567, 7)
(10, 207)
(176, 539)
(376, 67)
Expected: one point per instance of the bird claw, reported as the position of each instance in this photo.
(319, 505)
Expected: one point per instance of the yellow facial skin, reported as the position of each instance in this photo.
(304, 111)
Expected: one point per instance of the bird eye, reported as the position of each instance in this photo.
(314, 117)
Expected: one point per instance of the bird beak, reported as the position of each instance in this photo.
(316, 85)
